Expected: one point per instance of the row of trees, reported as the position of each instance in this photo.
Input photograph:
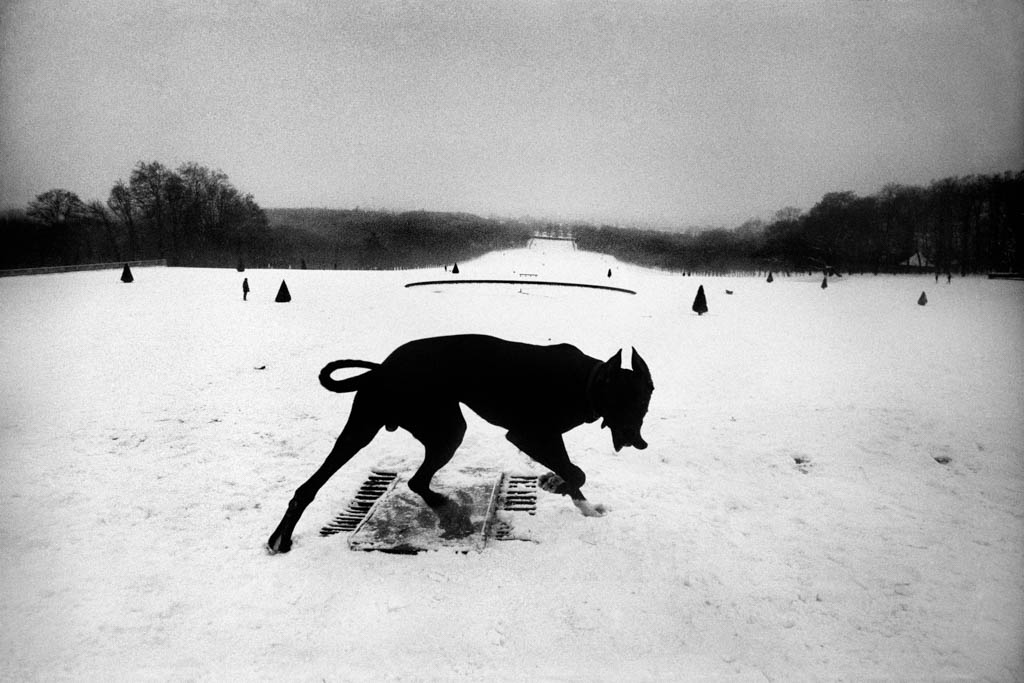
(962, 224)
(969, 224)
(357, 239)
(195, 216)
(190, 216)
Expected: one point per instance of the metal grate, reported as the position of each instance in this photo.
(518, 494)
(375, 486)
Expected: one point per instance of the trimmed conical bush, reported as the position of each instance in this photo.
(241, 266)
(283, 295)
(922, 300)
(455, 269)
(824, 282)
(770, 278)
(126, 274)
(700, 302)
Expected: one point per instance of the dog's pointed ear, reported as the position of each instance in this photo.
(615, 362)
(639, 366)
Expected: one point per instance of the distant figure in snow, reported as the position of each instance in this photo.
(245, 289)
(949, 277)
(609, 272)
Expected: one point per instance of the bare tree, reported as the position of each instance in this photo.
(100, 217)
(148, 186)
(121, 203)
(56, 207)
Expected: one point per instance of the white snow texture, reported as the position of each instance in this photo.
(834, 487)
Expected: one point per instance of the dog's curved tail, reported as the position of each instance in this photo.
(343, 386)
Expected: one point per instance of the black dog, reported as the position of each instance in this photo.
(537, 393)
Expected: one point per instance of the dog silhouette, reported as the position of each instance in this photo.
(537, 393)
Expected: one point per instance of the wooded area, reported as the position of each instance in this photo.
(189, 216)
(967, 225)
(193, 216)
(356, 239)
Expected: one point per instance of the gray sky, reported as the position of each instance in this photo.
(675, 113)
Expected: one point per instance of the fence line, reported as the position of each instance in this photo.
(85, 266)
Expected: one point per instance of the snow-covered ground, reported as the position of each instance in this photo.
(790, 519)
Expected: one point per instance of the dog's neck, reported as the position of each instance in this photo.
(592, 400)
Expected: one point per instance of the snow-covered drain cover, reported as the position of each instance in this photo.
(386, 516)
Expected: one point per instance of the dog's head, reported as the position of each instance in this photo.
(621, 397)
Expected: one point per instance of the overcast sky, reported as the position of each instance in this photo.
(675, 113)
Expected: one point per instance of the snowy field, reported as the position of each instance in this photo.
(791, 519)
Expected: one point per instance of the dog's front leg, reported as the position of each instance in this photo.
(589, 509)
(565, 477)
(552, 483)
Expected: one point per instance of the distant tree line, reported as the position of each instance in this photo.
(358, 239)
(193, 216)
(189, 216)
(968, 225)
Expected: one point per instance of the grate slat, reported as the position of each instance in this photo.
(375, 486)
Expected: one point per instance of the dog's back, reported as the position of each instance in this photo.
(510, 384)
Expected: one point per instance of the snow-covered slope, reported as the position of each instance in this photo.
(790, 519)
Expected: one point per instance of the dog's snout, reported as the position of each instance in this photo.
(627, 437)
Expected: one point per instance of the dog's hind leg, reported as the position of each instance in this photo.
(360, 429)
(440, 431)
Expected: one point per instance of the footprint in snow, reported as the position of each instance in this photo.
(803, 463)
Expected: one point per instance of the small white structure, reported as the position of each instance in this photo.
(917, 261)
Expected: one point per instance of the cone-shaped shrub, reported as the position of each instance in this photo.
(241, 266)
(922, 300)
(770, 278)
(126, 274)
(824, 282)
(700, 303)
(283, 295)
(455, 269)
(609, 272)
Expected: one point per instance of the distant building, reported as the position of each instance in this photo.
(917, 261)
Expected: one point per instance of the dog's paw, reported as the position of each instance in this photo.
(591, 510)
(551, 482)
(277, 545)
